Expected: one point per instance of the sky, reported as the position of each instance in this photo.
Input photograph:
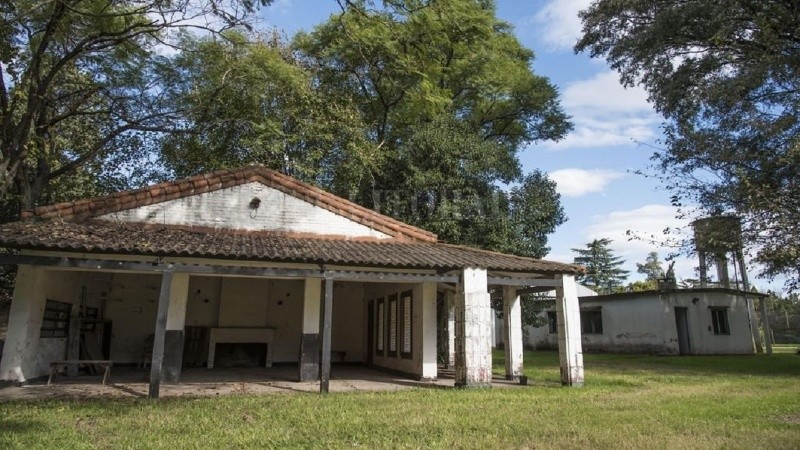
(615, 133)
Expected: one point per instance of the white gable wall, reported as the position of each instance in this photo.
(230, 208)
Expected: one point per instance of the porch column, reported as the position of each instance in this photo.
(24, 324)
(570, 351)
(512, 332)
(160, 334)
(429, 368)
(450, 304)
(327, 316)
(473, 330)
(309, 339)
(176, 320)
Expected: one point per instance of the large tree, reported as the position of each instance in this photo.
(604, 271)
(248, 100)
(449, 99)
(726, 77)
(82, 80)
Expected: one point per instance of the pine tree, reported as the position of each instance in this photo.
(603, 270)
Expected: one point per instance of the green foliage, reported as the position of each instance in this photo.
(448, 97)
(651, 268)
(82, 84)
(248, 100)
(603, 273)
(726, 77)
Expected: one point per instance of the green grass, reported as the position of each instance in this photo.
(627, 402)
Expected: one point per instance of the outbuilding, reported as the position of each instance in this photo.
(699, 321)
(251, 263)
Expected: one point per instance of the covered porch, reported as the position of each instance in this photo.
(308, 316)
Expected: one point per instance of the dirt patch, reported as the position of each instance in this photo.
(793, 419)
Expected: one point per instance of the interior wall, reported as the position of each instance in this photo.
(375, 291)
(132, 307)
(285, 315)
(348, 328)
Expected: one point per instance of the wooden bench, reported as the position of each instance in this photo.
(55, 365)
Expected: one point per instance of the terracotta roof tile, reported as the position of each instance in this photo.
(97, 236)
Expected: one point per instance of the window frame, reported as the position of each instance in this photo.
(392, 325)
(720, 323)
(590, 326)
(380, 327)
(55, 320)
(406, 324)
(552, 322)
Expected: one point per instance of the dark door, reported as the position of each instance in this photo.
(682, 323)
(370, 331)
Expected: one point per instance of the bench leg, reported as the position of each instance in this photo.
(52, 373)
(105, 375)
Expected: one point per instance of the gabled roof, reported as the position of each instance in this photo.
(81, 210)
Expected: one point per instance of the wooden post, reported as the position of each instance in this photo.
(751, 311)
(325, 357)
(160, 333)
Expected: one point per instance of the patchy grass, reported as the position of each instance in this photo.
(628, 402)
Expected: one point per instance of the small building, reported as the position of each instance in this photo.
(252, 264)
(705, 321)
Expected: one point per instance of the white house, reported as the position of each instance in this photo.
(707, 321)
(250, 263)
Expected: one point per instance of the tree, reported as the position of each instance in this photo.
(726, 76)
(603, 269)
(651, 268)
(248, 100)
(81, 80)
(449, 98)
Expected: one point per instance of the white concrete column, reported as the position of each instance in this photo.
(178, 298)
(570, 350)
(450, 304)
(24, 324)
(512, 332)
(473, 330)
(429, 370)
(309, 339)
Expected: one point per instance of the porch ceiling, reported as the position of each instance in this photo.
(158, 240)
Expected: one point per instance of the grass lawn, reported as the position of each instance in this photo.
(628, 402)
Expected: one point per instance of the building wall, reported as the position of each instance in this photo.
(348, 326)
(132, 307)
(230, 208)
(375, 291)
(36, 353)
(645, 323)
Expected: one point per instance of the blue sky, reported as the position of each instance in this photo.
(614, 129)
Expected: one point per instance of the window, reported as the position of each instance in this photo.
(719, 320)
(393, 324)
(552, 322)
(406, 316)
(380, 336)
(55, 323)
(591, 322)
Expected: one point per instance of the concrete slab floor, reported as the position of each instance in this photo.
(200, 382)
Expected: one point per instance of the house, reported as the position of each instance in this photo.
(700, 321)
(252, 264)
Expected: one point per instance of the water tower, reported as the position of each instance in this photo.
(719, 237)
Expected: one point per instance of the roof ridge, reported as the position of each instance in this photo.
(83, 209)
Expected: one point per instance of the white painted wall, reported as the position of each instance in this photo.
(132, 307)
(646, 324)
(229, 208)
(27, 355)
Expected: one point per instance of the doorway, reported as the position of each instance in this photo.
(682, 324)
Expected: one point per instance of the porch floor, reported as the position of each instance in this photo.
(201, 382)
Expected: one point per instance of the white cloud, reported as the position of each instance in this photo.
(648, 222)
(606, 114)
(560, 24)
(577, 182)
